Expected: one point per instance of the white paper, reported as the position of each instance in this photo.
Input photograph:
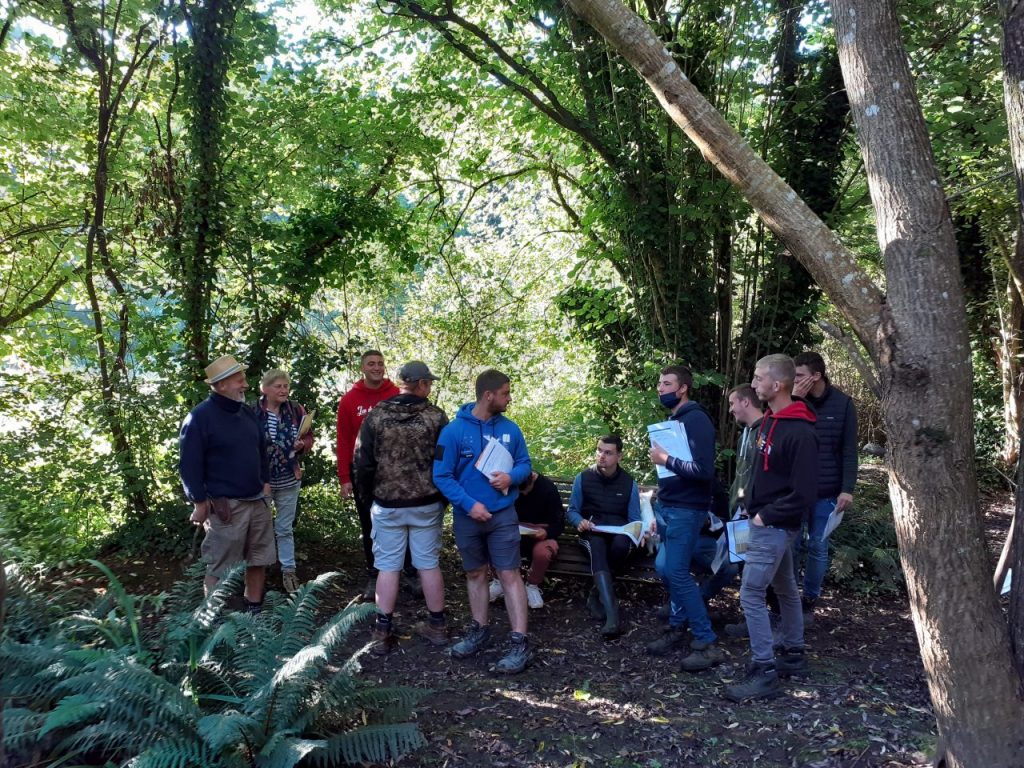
(670, 435)
(1006, 584)
(721, 552)
(834, 519)
(495, 458)
(715, 523)
(634, 530)
(646, 509)
(738, 532)
(525, 530)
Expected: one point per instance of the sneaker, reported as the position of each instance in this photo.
(670, 639)
(790, 661)
(761, 681)
(495, 590)
(435, 634)
(384, 640)
(290, 582)
(534, 598)
(519, 655)
(475, 640)
(703, 656)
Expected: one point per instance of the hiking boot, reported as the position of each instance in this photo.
(761, 681)
(290, 582)
(702, 656)
(383, 639)
(594, 605)
(370, 592)
(671, 639)
(519, 655)
(435, 634)
(475, 640)
(790, 661)
(534, 598)
(495, 590)
(807, 605)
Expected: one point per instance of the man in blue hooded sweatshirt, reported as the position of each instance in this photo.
(684, 500)
(484, 515)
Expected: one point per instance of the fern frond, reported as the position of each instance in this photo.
(299, 615)
(226, 728)
(71, 711)
(176, 753)
(287, 753)
(387, 704)
(370, 744)
(22, 728)
(334, 632)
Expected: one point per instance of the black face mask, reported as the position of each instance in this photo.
(670, 399)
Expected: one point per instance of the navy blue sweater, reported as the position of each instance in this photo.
(222, 451)
(693, 481)
(837, 442)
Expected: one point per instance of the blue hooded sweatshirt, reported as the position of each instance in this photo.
(459, 446)
(693, 482)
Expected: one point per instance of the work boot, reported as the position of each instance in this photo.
(384, 639)
(594, 605)
(790, 661)
(289, 581)
(519, 655)
(606, 592)
(435, 634)
(475, 640)
(702, 656)
(671, 639)
(495, 590)
(534, 599)
(761, 681)
(807, 605)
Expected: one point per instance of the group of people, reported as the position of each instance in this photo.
(403, 462)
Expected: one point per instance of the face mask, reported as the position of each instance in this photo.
(670, 399)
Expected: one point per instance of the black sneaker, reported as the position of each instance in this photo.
(475, 640)
(760, 682)
(671, 639)
(519, 655)
(703, 656)
(790, 661)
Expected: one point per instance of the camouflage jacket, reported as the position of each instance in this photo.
(394, 453)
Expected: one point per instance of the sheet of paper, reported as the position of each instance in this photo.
(495, 458)
(721, 552)
(834, 519)
(634, 530)
(670, 435)
(1006, 584)
(526, 530)
(738, 532)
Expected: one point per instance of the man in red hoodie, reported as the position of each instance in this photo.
(352, 409)
(783, 489)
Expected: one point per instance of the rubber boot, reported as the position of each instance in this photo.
(594, 605)
(606, 591)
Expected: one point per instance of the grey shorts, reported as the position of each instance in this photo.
(395, 528)
(249, 537)
(495, 542)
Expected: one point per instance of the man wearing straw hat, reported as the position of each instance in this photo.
(225, 474)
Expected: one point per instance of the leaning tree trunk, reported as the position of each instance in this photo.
(1012, 12)
(917, 336)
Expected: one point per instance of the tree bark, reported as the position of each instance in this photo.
(917, 337)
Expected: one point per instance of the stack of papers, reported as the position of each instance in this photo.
(634, 530)
(670, 435)
(495, 458)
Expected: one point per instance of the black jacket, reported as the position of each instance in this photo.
(784, 482)
(837, 442)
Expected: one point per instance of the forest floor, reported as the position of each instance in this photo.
(589, 702)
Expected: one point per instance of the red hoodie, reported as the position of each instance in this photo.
(784, 481)
(352, 409)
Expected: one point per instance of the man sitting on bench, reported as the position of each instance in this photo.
(605, 494)
(540, 508)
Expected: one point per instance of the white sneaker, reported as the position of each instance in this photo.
(494, 590)
(534, 598)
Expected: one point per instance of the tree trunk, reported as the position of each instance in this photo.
(917, 336)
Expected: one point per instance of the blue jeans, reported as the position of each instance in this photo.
(286, 501)
(815, 548)
(703, 556)
(682, 532)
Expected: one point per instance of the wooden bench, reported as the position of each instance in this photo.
(574, 560)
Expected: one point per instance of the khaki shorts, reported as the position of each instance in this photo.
(249, 537)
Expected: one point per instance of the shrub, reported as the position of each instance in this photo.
(202, 686)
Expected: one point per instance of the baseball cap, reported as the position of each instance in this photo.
(415, 370)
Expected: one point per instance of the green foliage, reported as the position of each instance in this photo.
(865, 555)
(202, 686)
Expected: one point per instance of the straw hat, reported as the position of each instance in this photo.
(223, 367)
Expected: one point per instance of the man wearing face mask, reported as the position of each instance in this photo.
(684, 500)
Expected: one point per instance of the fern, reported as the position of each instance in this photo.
(370, 744)
(287, 752)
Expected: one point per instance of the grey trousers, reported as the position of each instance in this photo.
(770, 561)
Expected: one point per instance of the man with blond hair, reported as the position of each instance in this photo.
(783, 490)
